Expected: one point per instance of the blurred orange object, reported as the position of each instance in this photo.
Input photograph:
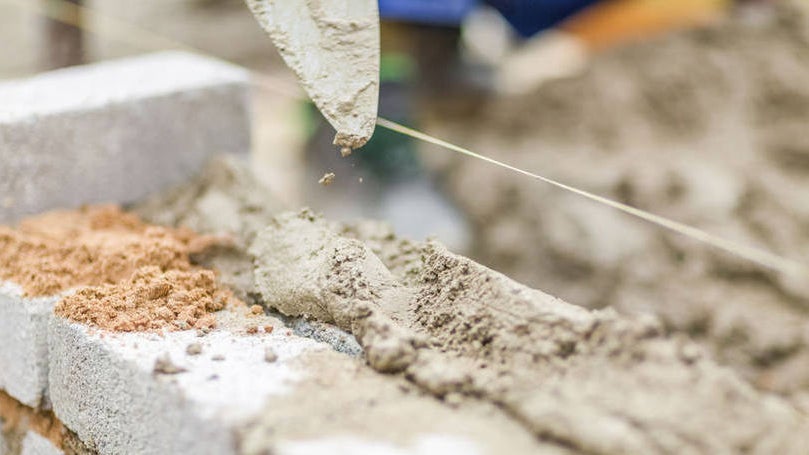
(614, 22)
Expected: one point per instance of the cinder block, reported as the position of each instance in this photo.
(116, 131)
(24, 341)
(104, 386)
(35, 444)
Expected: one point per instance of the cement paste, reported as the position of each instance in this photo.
(333, 47)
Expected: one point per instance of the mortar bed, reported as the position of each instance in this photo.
(470, 358)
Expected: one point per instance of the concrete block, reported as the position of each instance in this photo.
(24, 352)
(36, 444)
(116, 131)
(106, 388)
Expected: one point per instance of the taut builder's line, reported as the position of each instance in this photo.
(761, 257)
(70, 13)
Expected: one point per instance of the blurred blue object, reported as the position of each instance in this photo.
(528, 17)
(438, 12)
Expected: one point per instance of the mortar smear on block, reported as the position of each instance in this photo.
(136, 276)
(576, 380)
(595, 381)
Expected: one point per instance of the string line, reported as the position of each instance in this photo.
(761, 257)
(72, 14)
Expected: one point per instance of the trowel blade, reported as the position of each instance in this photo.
(333, 47)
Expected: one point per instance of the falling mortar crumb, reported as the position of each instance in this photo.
(327, 179)
(193, 349)
(453, 399)
(270, 356)
(268, 329)
(345, 151)
(164, 365)
(256, 309)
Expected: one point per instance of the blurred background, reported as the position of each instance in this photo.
(440, 58)
(693, 109)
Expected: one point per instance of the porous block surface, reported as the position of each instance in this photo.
(116, 131)
(24, 352)
(145, 393)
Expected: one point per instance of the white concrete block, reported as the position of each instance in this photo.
(116, 131)
(24, 352)
(104, 386)
(35, 444)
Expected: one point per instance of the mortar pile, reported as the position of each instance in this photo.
(703, 126)
(470, 336)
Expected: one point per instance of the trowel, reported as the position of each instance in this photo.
(333, 47)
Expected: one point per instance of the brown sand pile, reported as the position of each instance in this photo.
(149, 300)
(226, 198)
(706, 126)
(137, 276)
(54, 252)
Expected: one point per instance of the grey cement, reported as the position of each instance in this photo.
(596, 382)
(24, 352)
(334, 48)
(116, 131)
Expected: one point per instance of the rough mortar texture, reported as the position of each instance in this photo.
(596, 382)
(335, 280)
(225, 198)
(441, 326)
(116, 131)
(378, 414)
(705, 126)
(334, 49)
